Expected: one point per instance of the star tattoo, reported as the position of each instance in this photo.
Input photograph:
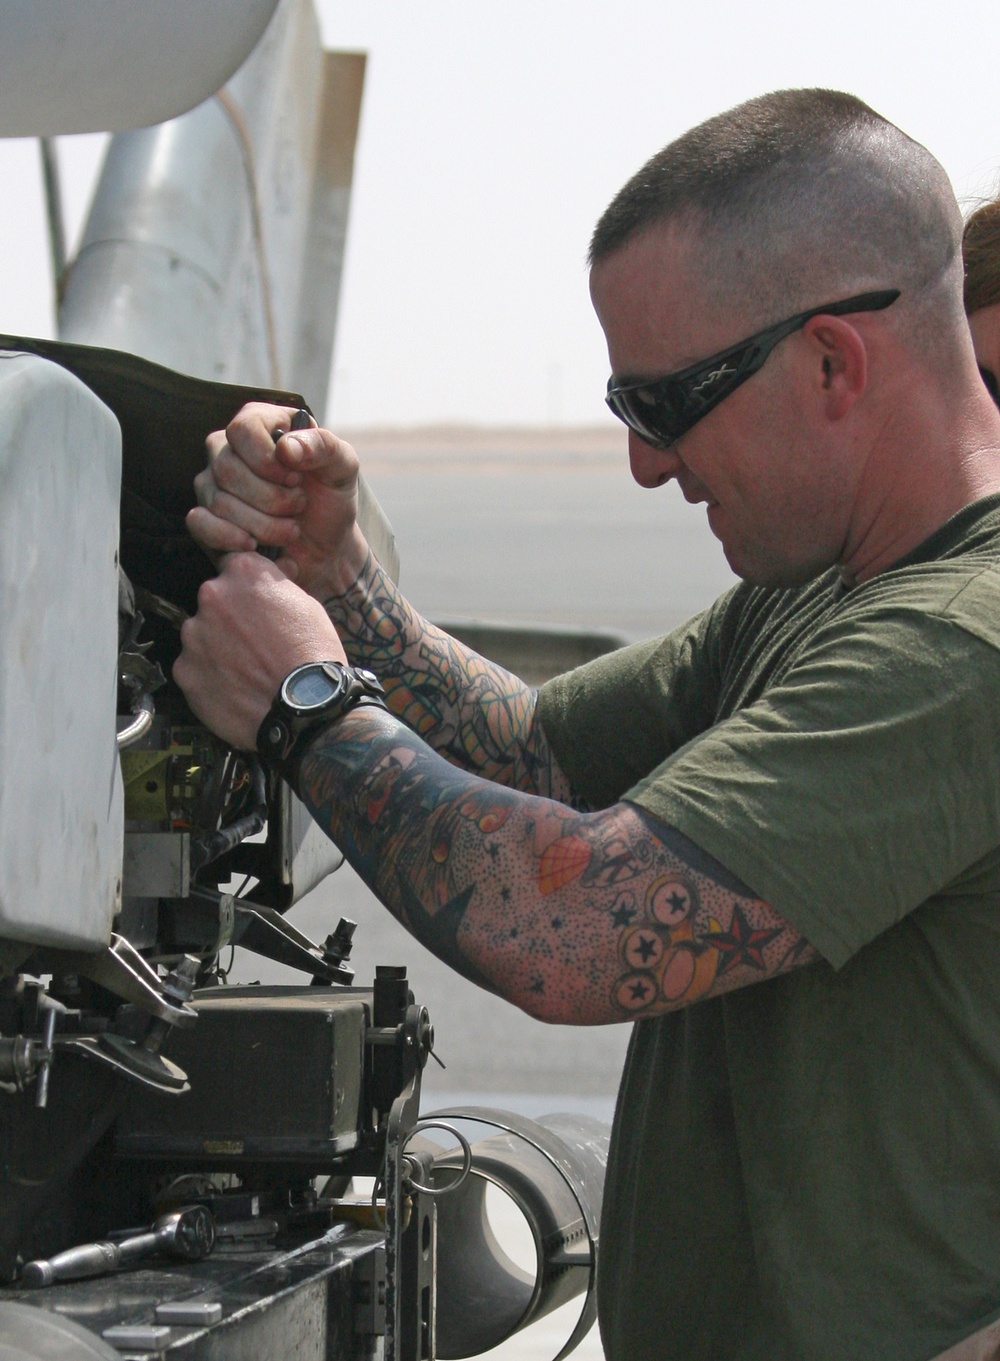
(645, 948)
(439, 930)
(622, 915)
(742, 943)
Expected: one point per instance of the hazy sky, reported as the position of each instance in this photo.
(493, 135)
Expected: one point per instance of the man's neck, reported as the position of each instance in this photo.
(931, 461)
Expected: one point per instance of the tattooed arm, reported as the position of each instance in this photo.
(473, 712)
(577, 918)
(582, 918)
(300, 494)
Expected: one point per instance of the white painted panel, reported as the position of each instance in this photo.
(192, 254)
(61, 803)
(107, 65)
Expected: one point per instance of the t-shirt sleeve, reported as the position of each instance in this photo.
(863, 783)
(611, 721)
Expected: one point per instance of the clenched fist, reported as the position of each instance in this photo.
(253, 626)
(298, 493)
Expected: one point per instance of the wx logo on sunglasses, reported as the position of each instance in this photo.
(716, 376)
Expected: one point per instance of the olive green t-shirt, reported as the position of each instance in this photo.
(809, 1169)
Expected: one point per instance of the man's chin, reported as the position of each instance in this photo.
(764, 570)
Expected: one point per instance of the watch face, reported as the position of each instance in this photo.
(311, 687)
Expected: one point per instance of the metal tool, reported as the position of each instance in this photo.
(300, 421)
(187, 1234)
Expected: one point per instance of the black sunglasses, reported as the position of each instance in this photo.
(660, 410)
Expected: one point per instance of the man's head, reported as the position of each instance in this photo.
(789, 202)
(795, 197)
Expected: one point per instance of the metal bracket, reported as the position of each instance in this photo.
(122, 970)
(266, 932)
(128, 1059)
(402, 1117)
(369, 1294)
(400, 1039)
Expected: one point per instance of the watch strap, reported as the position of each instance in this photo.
(286, 732)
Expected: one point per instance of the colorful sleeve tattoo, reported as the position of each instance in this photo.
(576, 917)
(473, 712)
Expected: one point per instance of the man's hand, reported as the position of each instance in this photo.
(299, 494)
(253, 626)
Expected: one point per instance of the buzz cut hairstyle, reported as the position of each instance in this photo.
(796, 198)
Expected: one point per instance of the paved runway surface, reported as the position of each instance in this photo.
(544, 528)
(543, 535)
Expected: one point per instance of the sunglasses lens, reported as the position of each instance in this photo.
(652, 412)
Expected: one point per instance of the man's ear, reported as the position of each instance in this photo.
(840, 360)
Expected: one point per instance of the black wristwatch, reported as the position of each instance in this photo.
(310, 698)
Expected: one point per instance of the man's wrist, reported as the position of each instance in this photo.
(342, 572)
(290, 768)
(310, 699)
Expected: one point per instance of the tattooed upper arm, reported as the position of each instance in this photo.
(472, 711)
(688, 928)
(579, 918)
(620, 918)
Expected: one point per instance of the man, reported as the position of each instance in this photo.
(787, 812)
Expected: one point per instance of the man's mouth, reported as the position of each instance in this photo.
(696, 495)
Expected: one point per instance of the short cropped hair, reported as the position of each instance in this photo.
(795, 198)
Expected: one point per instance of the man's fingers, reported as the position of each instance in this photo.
(297, 494)
(320, 453)
(215, 535)
(244, 580)
(230, 474)
(226, 472)
(250, 436)
(287, 566)
(231, 526)
(253, 448)
(249, 570)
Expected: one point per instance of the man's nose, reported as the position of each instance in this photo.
(651, 467)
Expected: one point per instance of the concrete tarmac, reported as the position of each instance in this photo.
(536, 527)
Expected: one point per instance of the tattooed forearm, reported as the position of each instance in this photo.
(471, 711)
(581, 918)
